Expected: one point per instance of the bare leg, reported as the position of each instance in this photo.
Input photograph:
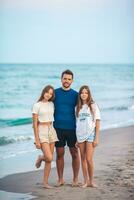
(90, 165)
(60, 165)
(39, 161)
(48, 154)
(82, 147)
(75, 164)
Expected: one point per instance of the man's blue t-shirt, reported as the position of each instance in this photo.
(65, 102)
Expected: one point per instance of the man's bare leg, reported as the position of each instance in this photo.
(60, 165)
(75, 164)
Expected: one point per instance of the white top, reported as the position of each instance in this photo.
(45, 111)
(86, 123)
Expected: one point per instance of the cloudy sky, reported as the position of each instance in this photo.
(66, 31)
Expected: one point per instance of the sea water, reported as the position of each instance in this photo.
(112, 87)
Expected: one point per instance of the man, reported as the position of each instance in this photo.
(65, 102)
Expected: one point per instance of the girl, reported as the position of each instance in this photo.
(45, 134)
(87, 132)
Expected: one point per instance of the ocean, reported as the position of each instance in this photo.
(112, 87)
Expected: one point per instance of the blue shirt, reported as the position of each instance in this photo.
(65, 102)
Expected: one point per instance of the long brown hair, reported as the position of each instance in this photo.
(89, 100)
(46, 89)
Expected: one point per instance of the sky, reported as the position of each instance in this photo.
(66, 31)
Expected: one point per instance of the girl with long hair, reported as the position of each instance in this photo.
(87, 132)
(44, 132)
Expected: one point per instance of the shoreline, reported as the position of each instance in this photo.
(114, 166)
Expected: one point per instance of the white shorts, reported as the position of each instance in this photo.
(47, 134)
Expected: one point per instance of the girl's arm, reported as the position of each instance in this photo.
(97, 132)
(36, 134)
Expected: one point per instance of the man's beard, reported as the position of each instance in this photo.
(66, 85)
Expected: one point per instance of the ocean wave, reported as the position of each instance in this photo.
(132, 97)
(125, 123)
(119, 108)
(8, 140)
(131, 107)
(16, 153)
(15, 122)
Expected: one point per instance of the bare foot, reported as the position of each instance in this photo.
(92, 185)
(38, 161)
(84, 185)
(60, 183)
(47, 186)
(75, 184)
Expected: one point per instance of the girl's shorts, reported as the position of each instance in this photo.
(91, 137)
(47, 134)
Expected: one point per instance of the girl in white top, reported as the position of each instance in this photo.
(45, 134)
(87, 132)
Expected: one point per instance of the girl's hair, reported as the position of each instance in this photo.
(46, 89)
(89, 100)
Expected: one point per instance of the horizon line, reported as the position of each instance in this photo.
(49, 63)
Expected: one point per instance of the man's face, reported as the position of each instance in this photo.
(66, 80)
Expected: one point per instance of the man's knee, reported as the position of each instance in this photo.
(59, 153)
(74, 153)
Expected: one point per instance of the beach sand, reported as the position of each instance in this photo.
(114, 173)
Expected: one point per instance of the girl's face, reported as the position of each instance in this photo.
(84, 95)
(48, 95)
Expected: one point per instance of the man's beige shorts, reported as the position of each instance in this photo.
(47, 134)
